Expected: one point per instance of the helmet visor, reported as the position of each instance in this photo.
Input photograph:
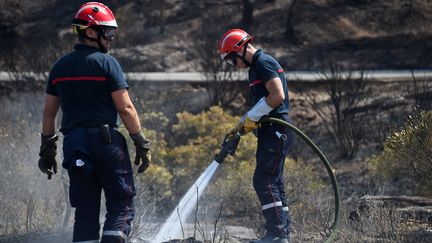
(231, 58)
(108, 33)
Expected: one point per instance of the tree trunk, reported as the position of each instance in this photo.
(289, 29)
(248, 9)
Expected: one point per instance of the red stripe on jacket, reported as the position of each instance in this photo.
(82, 78)
(255, 83)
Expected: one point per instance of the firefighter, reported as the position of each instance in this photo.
(90, 88)
(269, 90)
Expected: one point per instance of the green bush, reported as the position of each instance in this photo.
(408, 154)
(199, 139)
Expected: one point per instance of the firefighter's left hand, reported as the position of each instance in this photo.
(144, 155)
(142, 151)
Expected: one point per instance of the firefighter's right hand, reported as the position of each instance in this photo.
(245, 125)
(236, 129)
(48, 150)
(142, 151)
(249, 125)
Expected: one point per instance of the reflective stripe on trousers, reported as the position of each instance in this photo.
(271, 205)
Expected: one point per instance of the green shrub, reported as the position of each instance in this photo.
(408, 154)
(199, 139)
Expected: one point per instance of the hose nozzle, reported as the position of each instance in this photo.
(229, 146)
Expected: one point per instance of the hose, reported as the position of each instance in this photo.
(326, 163)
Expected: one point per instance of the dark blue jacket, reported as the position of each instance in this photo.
(84, 81)
(264, 68)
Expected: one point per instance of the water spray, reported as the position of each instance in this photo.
(172, 228)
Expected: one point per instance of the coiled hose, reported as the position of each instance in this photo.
(325, 162)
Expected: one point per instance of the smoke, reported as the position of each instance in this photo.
(29, 203)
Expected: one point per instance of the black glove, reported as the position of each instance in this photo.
(48, 150)
(142, 151)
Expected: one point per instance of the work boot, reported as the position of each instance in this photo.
(271, 239)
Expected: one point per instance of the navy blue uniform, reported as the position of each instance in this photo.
(84, 80)
(272, 149)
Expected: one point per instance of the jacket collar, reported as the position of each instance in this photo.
(256, 55)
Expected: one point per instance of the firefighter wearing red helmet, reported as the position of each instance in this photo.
(99, 18)
(231, 43)
(269, 90)
(90, 88)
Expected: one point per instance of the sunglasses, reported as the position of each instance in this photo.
(231, 58)
(108, 33)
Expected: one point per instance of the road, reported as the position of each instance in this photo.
(306, 76)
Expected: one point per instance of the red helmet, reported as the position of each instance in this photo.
(94, 13)
(232, 41)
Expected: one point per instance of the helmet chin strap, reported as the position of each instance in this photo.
(243, 56)
(98, 40)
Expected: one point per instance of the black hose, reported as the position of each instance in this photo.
(324, 160)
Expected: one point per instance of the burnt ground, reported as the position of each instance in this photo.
(152, 37)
